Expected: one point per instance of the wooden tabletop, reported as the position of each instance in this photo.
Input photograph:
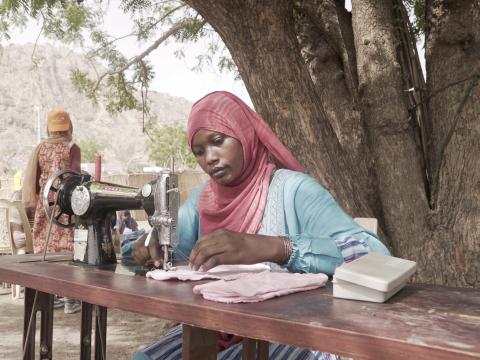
(421, 322)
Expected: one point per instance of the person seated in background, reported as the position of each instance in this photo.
(127, 222)
(129, 232)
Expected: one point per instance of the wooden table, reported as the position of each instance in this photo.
(420, 322)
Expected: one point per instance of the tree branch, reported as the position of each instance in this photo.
(136, 33)
(173, 30)
(36, 41)
(443, 88)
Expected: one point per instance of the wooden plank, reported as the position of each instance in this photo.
(428, 321)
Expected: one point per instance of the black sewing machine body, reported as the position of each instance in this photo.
(93, 203)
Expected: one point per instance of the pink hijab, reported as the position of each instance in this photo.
(240, 206)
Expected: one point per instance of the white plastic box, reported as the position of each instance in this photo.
(373, 277)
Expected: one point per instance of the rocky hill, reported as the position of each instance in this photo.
(29, 91)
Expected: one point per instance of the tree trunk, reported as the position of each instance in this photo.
(392, 136)
(334, 88)
(331, 64)
(453, 83)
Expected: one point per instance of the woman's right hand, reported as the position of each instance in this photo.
(140, 252)
(148, 255)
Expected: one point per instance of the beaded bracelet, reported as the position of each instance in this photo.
(287, 249)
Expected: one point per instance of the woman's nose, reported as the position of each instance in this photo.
(211, 156)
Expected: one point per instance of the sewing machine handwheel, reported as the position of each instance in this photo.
(52, 191)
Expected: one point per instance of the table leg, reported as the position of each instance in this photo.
(86, 332)
(254, 349)
(29, 321)
(199, 343)
(43, 302)
(100, 333)
(249, 351)
(263, 350)
(46, 325)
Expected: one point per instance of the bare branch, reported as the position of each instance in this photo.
(173, 30)
(36, 40)
(136, 33)
(443, 88)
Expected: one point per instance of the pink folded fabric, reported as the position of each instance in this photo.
(225, 272)
(259, 287)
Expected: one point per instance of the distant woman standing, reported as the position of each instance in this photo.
(56, 153)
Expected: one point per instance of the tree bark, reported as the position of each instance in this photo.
(324, 32)
(453, 55)
(391, 134)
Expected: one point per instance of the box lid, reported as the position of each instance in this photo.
(346, 290)
(376, 271)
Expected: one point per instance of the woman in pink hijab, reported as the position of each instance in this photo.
(258, 206)
(232, 144)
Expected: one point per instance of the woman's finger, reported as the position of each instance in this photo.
(204, 253)
(206, 241)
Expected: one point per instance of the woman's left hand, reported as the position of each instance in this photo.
(227, 247)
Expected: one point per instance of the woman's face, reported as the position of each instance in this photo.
(219, 155)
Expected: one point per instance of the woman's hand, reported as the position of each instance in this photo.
(228, 247)
(140, 252)
(150, 255)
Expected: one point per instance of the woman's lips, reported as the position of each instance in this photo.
(218, 173)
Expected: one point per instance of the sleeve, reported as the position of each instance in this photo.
(188, 224)
(319, 229)
(75, 158)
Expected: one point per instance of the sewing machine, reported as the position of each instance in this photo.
(76, 200)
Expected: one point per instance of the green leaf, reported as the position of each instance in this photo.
(167, 141)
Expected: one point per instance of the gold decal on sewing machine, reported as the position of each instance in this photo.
(108, 189)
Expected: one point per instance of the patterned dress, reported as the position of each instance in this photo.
(51, 158)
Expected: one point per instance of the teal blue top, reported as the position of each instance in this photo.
(322, 234)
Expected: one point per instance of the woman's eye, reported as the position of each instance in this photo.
(197, 153)
(218, 140)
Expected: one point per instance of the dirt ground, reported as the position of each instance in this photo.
(126, 332)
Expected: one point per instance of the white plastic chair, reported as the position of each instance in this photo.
(7, 243)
